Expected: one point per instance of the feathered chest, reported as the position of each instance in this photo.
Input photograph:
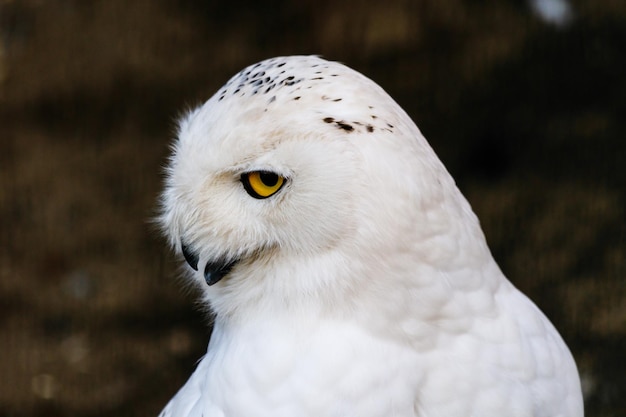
(326, 369)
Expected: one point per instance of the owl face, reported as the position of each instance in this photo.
(255, 195)
(300, 176)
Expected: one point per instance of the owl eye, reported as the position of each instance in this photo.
(262, 184)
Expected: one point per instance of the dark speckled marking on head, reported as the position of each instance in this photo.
(287, 78)
(340, 124)
(345, 126)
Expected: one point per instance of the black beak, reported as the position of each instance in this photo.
(190, 257)
(215, 271)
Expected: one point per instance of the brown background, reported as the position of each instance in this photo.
(528, 117)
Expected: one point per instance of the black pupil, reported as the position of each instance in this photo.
(269, 178)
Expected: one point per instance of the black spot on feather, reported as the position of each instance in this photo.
(345, 126)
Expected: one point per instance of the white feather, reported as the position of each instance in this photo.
(364, 287)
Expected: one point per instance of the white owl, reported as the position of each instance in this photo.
(347, 274)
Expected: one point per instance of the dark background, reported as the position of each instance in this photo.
(527, 114)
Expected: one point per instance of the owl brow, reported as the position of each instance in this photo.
(239, 169)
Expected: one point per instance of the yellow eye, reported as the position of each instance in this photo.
(262, 184)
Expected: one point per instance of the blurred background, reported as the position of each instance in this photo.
(523, 100)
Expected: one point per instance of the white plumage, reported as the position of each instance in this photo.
(347, 274)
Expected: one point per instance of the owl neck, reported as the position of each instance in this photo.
(414, 289)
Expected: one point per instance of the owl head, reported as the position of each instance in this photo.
(301, 182)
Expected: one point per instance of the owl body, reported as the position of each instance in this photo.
(347, 274)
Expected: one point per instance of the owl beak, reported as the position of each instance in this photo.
(215, 271)
(190, 257)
